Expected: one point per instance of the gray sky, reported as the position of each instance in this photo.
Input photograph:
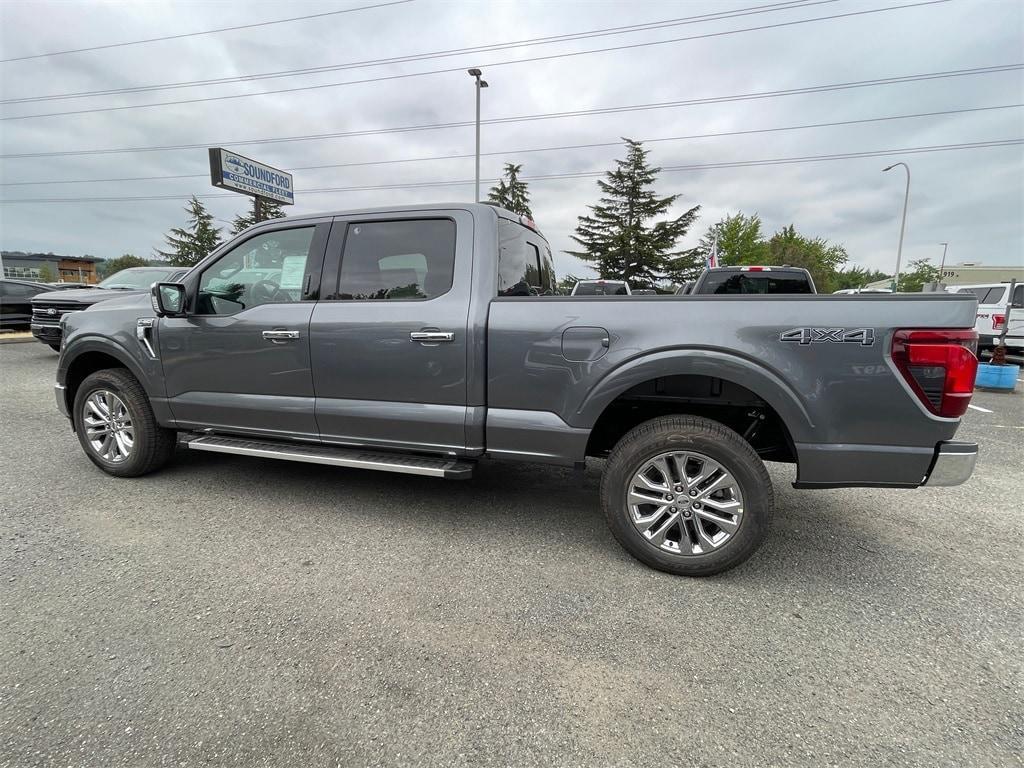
(972, 198)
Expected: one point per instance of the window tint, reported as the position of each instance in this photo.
(524, 268)
(265, 269)
(754, 283)
(398, 260)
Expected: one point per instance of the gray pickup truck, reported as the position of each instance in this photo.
(425, 338)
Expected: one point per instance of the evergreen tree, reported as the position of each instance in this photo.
(190, 245)
(271, 210)
(618, 238)
(510, 192)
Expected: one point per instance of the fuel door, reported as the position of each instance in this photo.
(584, 344)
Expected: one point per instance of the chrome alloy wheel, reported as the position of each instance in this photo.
(108, 426)
(685, 503)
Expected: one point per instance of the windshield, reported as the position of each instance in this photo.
(137, 278)
(600, 289)
(756, 282)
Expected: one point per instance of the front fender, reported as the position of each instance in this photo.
(698, 362)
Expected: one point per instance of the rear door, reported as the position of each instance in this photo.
(389, 336)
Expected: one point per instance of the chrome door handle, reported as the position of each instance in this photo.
(280, 335)
(431, 337)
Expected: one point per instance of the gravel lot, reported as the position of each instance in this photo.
(234, 611)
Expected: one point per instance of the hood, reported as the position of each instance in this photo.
(83, 296)
(126, 300)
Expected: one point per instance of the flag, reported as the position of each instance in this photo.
(713, 256)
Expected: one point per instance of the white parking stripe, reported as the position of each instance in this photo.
(979, 408)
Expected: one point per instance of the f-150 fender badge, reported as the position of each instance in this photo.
(863, 336)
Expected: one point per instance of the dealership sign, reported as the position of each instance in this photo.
(229, 170)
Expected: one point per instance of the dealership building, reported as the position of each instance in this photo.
(968, 273)
(64, 269)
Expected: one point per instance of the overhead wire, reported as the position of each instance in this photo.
(448, 70)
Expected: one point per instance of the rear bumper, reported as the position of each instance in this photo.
(954, 463)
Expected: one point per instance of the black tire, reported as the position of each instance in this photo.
(153, 446)
(715, 441)
(54, 347)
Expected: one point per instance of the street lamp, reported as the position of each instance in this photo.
(945, 247)
(476, 73)
(903, 224)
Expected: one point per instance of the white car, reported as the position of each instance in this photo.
(992, 302)
(601, 288)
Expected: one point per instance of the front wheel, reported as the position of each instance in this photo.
(687, 496)
(116, 426)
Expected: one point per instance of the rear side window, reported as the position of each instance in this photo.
(755, 283)
(398, 260)
(524, 267)
(1018, 296)
(986, 294)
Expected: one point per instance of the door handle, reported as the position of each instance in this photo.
(280, 335)
(431, 337)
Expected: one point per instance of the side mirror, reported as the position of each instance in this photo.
(168, 299)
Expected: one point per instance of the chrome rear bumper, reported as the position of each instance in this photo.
(954, 463)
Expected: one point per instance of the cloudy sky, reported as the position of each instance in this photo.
(973, 198)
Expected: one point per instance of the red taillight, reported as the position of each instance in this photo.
(939, 366)
(997, 322)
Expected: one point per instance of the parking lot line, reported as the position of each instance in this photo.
(979, 408)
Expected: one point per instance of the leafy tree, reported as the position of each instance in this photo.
(819, 257)
(271, 210)
(918, 273)
(566, 284)
(511, 192)
(113, 266)
(191, 245)
(740, 241)
(618, 238)
(45, 274)
(855, 277)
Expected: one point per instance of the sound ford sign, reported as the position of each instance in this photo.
(230, 170)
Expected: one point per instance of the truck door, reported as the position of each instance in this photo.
(389, 336)
(239, 361)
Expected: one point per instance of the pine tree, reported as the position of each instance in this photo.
(192, 245)
(510, 192)
(618, 239)
(271, 210)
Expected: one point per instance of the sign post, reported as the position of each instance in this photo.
(229, 170)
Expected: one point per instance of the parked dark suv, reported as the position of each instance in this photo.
(16, 302)
(48, 310)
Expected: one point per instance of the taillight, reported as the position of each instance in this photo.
(997, 322)
(939, 366)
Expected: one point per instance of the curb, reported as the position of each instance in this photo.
(5, 339)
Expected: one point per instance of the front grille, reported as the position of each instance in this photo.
(51, 313)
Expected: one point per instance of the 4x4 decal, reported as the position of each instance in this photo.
(862, 336)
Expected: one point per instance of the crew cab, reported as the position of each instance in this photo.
(998, 310)
(48, 308)
(421, 340)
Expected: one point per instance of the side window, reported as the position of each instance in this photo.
(522, 268)
(396, 260)
(1018, 296)
(265, 269)
(15, 290)
(994, 296)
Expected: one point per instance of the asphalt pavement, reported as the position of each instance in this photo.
(244, 612)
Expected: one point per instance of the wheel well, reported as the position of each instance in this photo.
(82, 366)
(720, 400)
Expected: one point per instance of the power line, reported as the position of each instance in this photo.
(204, 32)
(541, 116)
(549, 57)
(513, 152)
(604, 32)
(572, 175)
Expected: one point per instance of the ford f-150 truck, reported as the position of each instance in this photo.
(425, 338)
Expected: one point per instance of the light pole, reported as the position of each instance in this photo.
(945, 247)
(476, 73)
(903, 224)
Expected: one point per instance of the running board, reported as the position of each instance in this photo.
(451, 469)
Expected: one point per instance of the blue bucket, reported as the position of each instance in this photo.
(997, 376)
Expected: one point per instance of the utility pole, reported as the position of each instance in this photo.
(476, 73)
(903, 224)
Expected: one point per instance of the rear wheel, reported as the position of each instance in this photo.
(687, 495)
(116, 426)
